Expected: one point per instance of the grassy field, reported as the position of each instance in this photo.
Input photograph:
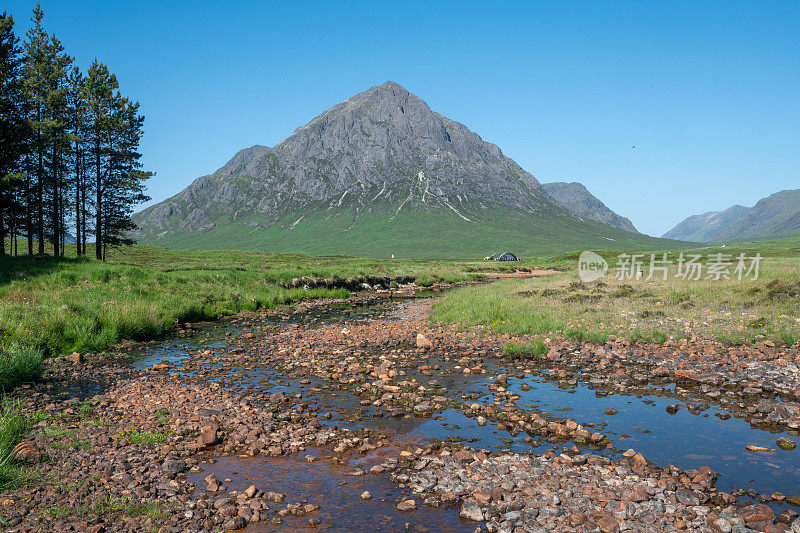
(80, 304)
(560, 306)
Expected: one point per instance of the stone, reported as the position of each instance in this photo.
(785, 443)
(756, 513)
(366, 495)
(26, 452)
(407, 505)
(471, 511)
(423, 341)
(208, 436)
(172, 468)
(235, 522)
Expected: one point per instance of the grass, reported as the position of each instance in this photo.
(19, 364)
(102, 506)
(531, 350)
(141, 293)
(13, 427)
(147, 438)
(732, 312)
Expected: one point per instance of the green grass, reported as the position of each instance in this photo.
(142, 293)
(102, 506)
(13, 427)
(19, 364)
(531, 350)
(147, 438)
(656, 311)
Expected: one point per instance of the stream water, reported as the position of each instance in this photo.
(642, 423)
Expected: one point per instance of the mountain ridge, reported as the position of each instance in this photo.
(776, 215)
(576, 197)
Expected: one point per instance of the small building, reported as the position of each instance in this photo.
(502, 256)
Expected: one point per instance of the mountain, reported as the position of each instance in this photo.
(375, 175)
(777, 215)
(575, 197)
(705, 227)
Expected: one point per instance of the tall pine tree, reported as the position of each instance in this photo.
(12, 128)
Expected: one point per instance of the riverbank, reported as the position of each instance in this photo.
(202, 432)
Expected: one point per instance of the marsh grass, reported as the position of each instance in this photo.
(654, 311)
(80, 304)
(13, 427)
(19, 364)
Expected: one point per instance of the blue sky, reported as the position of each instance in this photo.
(707, 92)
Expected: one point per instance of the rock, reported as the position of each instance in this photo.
(76, 358)
(753, 448)
(423, 342)
(793, 499)
(366, 495)
(172, 468)
(610, 411)
(785, 443)
(250, 491)
(208, 436)
(471, 511)
(673, 408)
(235, 522)
(407, 505)
(756, 513)
(26, 452)
(275, 497)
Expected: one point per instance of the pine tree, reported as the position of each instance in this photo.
(12, 127)
(125, 187)
(77, 123)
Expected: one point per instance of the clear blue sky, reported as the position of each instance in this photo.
(708, 92)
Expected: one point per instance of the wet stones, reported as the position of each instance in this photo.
(785, 443)
(407, 505)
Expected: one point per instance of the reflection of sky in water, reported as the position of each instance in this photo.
(683, 439)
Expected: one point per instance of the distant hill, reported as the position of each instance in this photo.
(705, 227)
(575, 197)
(378, 174)
(777, 215)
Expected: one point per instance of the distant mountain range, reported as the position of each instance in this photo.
(381, 174)
(777, 215)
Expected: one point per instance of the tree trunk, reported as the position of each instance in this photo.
(2, 232)
(40, 197)
(98, 228)
(56, 230)
(77, 200)
(28, 221)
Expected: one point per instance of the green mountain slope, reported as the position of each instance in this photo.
(376, 175)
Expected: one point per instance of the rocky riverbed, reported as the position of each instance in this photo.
(341, 417)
